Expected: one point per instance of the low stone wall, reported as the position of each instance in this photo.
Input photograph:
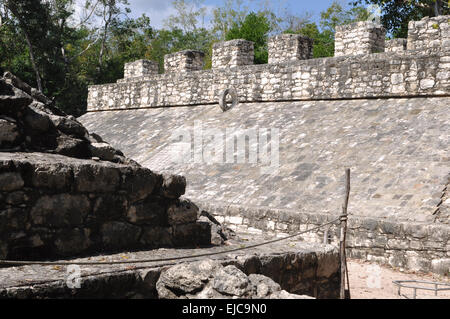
(56, 206)
(366, 76)
(415, 246)
(299, 268)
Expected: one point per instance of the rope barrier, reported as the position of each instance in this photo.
(62, 263)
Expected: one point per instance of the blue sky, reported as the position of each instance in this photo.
(159, 10)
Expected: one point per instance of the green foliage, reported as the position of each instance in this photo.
(396, 14)
(336, 15)
(255, 27)
(323, 41)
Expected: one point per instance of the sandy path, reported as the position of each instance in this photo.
(371, 281)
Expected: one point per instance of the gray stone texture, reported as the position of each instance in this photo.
(429, 33)
(364, 37)
(209, 279)
(289, 48)
(184, 61)
(140, 68)
(232, 53)
(396, 45)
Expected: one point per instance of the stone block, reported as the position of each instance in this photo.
(363, 37)
(184, 61)
(140, 68)
(232, 53)
(289, 48)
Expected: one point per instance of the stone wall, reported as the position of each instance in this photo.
(55, 206)
(140, 68)
(363, 37)
(423, 72)
(232, 53)
(289, 48)
(396, 45)
(429, 33)
(183, 61)
(369, 76)
(415, 246)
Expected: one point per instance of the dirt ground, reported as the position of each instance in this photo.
(373, 281)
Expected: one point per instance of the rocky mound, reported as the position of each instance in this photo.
(30, 123)
(209, 279)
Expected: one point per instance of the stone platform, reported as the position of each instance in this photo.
(298, 267)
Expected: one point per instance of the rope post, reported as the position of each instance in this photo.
(344, 294)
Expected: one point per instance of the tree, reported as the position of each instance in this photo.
(232, 13)
(397, 14)
(337, 15)
(255, 27)
(190, 15)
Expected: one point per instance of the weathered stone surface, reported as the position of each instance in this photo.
(182, 212)
(150, 211)
(209, 279)
(63, 210)
(96, 178)
(173, 186)
(289, 48)
(232, 53)
(429, 32)
(140, 68)
(139, 183)
(386, 136)
(9, 132)
(363, 37)
(118, 235)
(10, 181)
(183, 61)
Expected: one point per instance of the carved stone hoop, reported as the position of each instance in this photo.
(223, 99)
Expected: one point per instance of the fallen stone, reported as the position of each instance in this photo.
(209, 279)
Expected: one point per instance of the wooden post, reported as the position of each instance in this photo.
(343, 220)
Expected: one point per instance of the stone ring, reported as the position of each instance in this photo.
(223, 99)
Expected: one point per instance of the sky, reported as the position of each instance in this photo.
(159, 10)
